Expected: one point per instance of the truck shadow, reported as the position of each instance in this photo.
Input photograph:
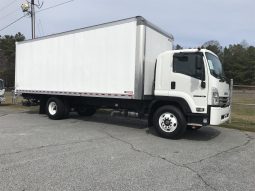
(5, 104)
(106, 118)
(203, 134)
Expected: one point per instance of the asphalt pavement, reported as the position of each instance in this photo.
(107, 152)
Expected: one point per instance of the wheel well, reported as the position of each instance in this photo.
(158, 104)
(43, 101)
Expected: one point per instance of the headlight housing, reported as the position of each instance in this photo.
(215, 97)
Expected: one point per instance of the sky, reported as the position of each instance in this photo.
(191, 22)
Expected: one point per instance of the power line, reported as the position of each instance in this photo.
(40, 23)
(36, 12)
(39, 31)
(10, 13)
(40, 27)
(8, 5)
(13, 22)
(54, 6)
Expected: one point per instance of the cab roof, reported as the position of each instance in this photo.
(191, 50)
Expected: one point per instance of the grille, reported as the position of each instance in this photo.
(224, 101)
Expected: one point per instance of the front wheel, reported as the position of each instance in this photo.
(169, 122)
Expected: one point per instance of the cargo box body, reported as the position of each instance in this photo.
(115, 60)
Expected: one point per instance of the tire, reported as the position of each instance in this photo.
(86, 110)
(56, 108)
(169, 122)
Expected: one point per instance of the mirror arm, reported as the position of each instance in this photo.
(203, 84)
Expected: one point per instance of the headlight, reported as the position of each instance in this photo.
(215, 97)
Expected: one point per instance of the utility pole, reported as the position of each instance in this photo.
(29, 9)
(33, 18)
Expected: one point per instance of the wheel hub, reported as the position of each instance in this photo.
(168, 122)
(52, 108)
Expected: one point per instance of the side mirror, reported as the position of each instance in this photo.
(200, 70)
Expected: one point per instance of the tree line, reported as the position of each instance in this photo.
(7, 57)
(238, 59)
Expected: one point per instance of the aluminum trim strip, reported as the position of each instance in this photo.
(143, 21)
(94, 27)
(85, 94)
(140, 48)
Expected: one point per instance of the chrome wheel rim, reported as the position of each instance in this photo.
(52, 108)
(168, 122)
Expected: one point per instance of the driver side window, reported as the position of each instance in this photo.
(186, 63)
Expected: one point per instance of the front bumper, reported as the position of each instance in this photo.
(219, 115)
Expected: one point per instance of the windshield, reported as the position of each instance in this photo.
(215, 66)
(1, 84)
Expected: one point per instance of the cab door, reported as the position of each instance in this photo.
(188, 80)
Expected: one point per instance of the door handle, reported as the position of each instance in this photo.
(173, 84)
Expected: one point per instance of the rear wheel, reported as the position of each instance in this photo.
(86, 110)
(169, 122)
(57, 108)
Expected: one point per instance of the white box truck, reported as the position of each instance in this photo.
(2, 91)
(127, 64)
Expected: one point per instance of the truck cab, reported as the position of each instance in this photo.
(2, 91)
(196, 78)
